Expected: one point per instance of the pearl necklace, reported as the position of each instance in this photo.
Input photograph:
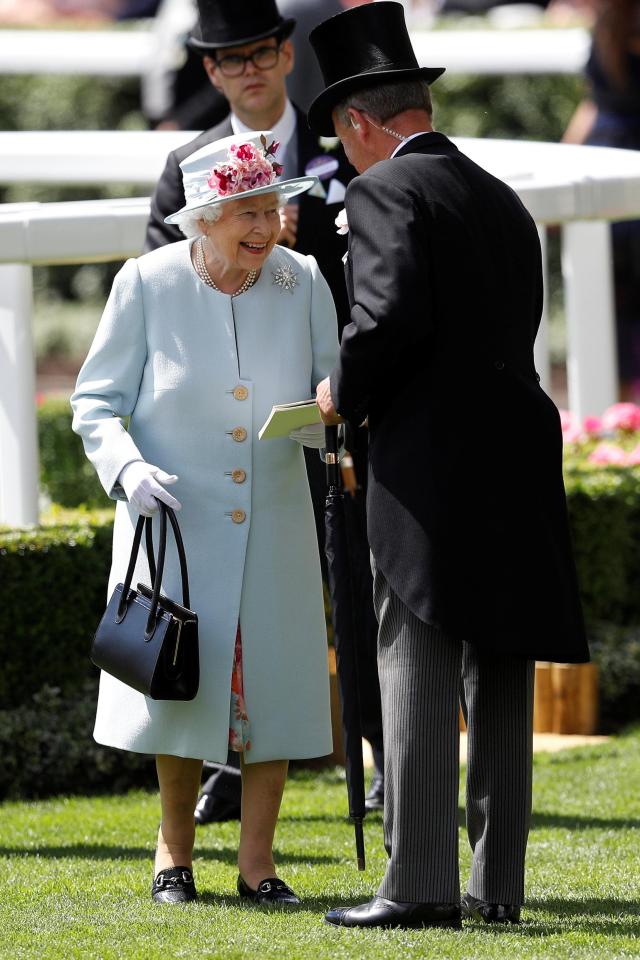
(205, 276)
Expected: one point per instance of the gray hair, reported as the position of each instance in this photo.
(388, 100)
(188, 222)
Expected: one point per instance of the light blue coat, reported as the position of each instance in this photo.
(170, 352)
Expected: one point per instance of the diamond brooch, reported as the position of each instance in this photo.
(285, 278)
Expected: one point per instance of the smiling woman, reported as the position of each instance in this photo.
(237, 241)
(197, 343)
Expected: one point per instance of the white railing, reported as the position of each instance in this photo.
(133, 52)
(579, 187)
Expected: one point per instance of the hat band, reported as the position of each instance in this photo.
(381, 66)
(221, 37)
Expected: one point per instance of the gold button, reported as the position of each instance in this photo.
(238, 516)
(240, 393)
(238, 476)
(239, 434)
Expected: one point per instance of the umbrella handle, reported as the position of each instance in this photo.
(331, 456)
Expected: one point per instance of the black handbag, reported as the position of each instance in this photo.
(144, 639)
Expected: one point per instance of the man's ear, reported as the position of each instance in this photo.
(209, 65)
(357, 122)
(288, 54)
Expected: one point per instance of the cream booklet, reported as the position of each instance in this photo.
(285, 417)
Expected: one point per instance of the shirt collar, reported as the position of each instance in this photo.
(405, 142)
(282, 130)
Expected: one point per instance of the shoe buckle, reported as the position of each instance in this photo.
(265, 887)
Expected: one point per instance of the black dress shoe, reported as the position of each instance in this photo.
(270, 892)
(374, 800)
(212, 809)
(174, 886)
(480, 910)
(396, 913)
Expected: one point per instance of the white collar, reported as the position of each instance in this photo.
(412, 137)
(282, 130)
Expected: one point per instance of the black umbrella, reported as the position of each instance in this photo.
(340, 588)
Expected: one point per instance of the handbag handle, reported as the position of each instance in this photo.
(156, 574)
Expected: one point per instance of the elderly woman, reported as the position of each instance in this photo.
(198, 341)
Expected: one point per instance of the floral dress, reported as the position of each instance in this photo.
(239, 728)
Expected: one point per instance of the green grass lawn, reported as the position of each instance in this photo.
(76, 875)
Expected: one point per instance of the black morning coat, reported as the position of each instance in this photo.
(317, 234)
(467, 514)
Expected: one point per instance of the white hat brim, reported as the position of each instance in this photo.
(286, 188)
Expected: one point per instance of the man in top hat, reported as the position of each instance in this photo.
(474, 577)
(247, 54)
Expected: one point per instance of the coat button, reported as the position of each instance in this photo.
(239, 434)
(240, 393)
(238, 516)
(238, 476)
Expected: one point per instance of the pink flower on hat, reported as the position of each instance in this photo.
(247, 168)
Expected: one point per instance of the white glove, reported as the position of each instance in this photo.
(141, 483)
(310, 436)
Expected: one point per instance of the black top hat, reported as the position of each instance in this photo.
(360, 48)
(232, 23)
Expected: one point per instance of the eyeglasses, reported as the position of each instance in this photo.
(264, 58)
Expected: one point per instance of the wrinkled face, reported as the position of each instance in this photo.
(254, 91)
(247, 231)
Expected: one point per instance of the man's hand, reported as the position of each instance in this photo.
(289, 225)
(328, 412)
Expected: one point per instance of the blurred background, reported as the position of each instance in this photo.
(172, 92)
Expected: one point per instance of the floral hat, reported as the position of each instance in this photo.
(243, 165)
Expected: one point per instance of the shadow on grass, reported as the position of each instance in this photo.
(99, 851)
(313, 905)
(610, 917)
(540, 820)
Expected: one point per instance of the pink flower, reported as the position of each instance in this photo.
(622, 416)
(572, 434)
(633, 457)
(567, 419)
(243, 151)
(608, 454)
(592, 426)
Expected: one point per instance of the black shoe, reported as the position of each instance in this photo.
(212, 809)
(483, 912)
(374, 800)
(270, 892)
(174, 886)
(393, 913)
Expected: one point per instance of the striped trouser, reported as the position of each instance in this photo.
(423, 677)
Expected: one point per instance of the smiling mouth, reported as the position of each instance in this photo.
(254, 247)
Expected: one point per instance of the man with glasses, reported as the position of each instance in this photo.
(247, 55)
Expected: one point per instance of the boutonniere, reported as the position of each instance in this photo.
(342, 223)
(329, 143)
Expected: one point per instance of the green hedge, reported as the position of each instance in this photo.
(47, 748)
(54, 586)
(65, 473)
(604, 508)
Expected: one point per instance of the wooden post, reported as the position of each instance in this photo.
(565, 680)
(543, 699)
(588, 705)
